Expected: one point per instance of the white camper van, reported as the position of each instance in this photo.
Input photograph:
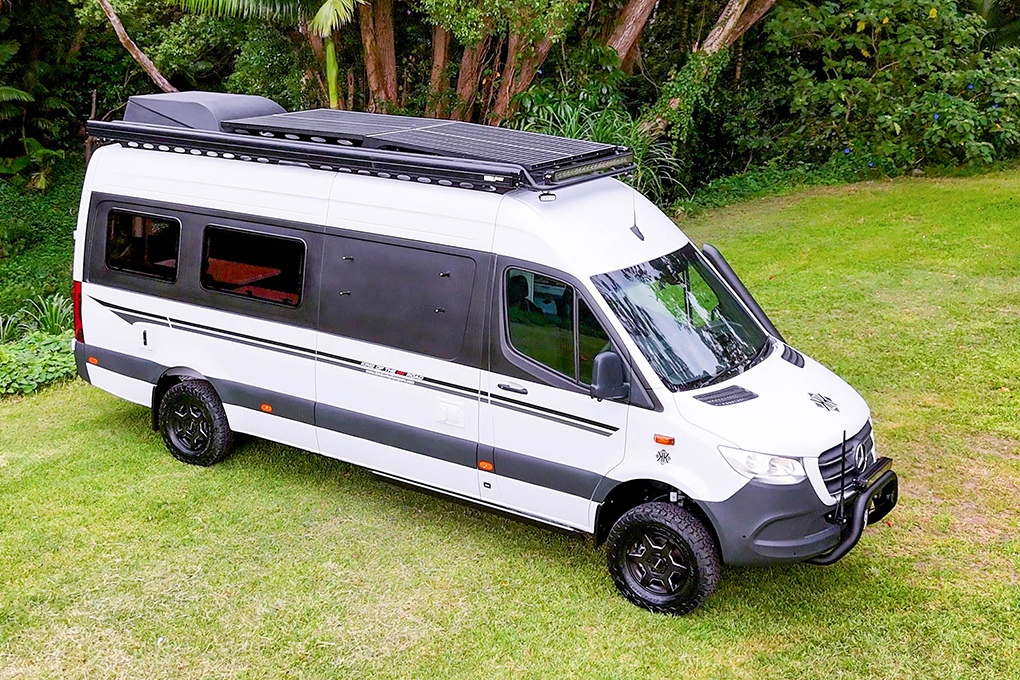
(482, 312)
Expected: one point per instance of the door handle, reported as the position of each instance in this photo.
(510, 387)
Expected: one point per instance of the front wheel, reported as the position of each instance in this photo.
(193, 423)
(663, 559)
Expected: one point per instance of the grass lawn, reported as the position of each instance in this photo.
(117, 561)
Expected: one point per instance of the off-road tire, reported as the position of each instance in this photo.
(193, 423)
(663, 558)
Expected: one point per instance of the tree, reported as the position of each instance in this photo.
(317, 20)
(133, 50)
(687, 89)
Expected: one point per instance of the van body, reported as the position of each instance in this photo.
(567, 356)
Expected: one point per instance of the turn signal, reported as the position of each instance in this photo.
(94, 361)
(267, 408)
(664, 440)
(485, 465)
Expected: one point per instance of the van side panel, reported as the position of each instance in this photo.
(399, 349)
(260, 355)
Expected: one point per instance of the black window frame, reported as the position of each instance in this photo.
(134, 272)
(575, 321)
(204, 257)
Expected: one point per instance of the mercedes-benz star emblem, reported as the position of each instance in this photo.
(860, 457)
(822, 401)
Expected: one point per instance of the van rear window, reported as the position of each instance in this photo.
(253, 265)
(143, 244)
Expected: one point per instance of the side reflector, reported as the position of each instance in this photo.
(485, 465)
(267, 408)
(94, 361)
(663, 439)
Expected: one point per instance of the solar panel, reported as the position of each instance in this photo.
(448, 138)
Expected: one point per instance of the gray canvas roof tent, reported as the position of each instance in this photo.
(449, 153)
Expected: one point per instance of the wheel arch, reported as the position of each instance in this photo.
(168, 379)
(627, 495)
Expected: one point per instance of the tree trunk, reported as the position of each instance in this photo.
(630, 23)
(438, 83)
(133, 50)
(383, 10)
(380, 52)
(522, 64)
(467, 80)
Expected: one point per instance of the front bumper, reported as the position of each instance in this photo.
(878, 491)
(768, 524)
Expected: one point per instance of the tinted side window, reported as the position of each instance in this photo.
(143, 244)
(541, 318)
(398, 296)
(253, 265)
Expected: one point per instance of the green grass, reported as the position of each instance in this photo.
(117, 561)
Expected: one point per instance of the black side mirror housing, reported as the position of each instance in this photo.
(608, 379)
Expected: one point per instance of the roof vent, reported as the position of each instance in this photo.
(196, 110)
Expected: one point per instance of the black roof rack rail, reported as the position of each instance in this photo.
(479, 160)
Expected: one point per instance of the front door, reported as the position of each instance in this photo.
(550, 443)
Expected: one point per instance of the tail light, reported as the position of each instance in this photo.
(79, 333)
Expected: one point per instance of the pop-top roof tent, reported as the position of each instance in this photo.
(428, 150)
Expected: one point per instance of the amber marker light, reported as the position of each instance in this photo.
(94, 361)
(267, 408)
(664, 440)
(485, 465)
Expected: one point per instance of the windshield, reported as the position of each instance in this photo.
(684, 319)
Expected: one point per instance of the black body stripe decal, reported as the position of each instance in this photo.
(537, 471)
(545, 473)
(499, 400)
(398, 435)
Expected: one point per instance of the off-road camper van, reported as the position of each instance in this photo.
(482, 312)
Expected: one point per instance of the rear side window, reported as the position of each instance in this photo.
(143, 244)
(253, 265)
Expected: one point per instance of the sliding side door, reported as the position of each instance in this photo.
(399, 353)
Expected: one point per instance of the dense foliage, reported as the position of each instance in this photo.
(35, 360)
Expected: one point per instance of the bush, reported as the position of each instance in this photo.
(52, 315)
(894, 83)
(35, 360)
(564, 113)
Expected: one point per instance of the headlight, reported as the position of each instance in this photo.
(761, 466)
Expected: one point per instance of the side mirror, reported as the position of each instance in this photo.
(607, 380)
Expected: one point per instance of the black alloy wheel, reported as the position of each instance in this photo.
(663, 559)
(193, 423)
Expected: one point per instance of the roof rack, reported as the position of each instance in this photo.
(449, 153)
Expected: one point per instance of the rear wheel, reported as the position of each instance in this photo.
(193, 423)
(663, 559)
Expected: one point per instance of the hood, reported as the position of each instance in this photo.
(800, 409)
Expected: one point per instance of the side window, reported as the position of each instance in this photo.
(541, 316)
(143, 244)
(591, 340)
(253, 265)
(540, 313)
(397, 296)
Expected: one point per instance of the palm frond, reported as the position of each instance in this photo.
(7, 50)
(332, 15)
(13, 94)
(266, 9)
